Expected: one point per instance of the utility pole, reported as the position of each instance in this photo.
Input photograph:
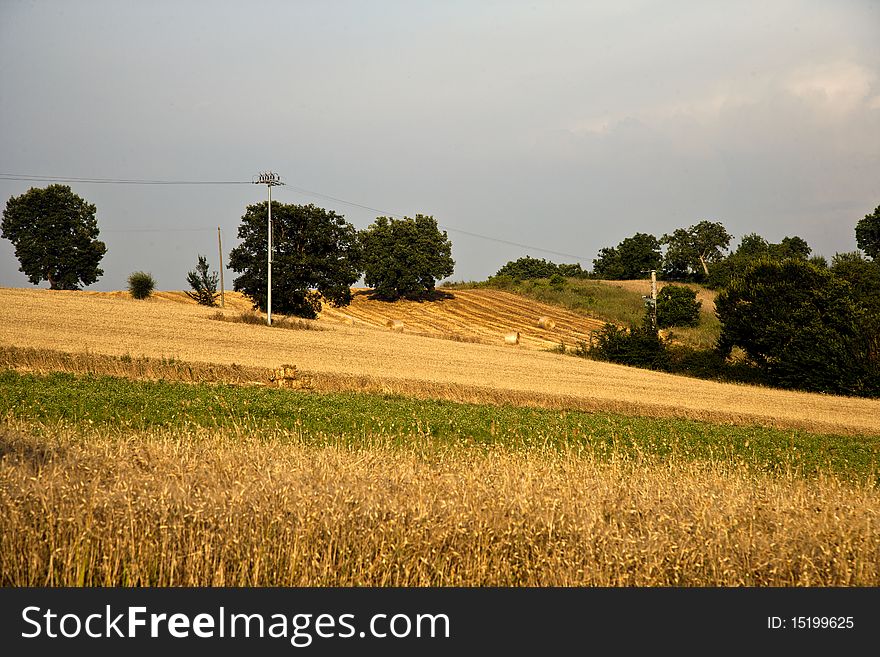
(654, 297)
(270, 180)
(651, 301)
(220, 252)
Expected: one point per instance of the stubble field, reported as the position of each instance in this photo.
(362, 477)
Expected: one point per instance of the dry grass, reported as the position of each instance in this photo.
(375, 359)
(278, 321)
(231, 509)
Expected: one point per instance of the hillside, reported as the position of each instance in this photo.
(366, 357)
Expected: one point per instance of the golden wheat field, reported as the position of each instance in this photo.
(213, 508)
(368, 357)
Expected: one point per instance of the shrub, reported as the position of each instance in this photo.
(557, 282)
(677, 305)
(639, 346)
(141, 284)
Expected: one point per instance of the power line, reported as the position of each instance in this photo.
(300, 190)
(449, 228)
(117, 181)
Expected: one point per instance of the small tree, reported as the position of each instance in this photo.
(141, 284)
(204, 285)
(405, 257)
(55, 235)
(677, 305)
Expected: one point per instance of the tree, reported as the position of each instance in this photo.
(405, 257)
(677, 305)
(868, 234)
(638, 255)
(607, 264)
(55, 235)
(315, 256)
(802, 326)
(754, 247)
(630, 259)
(690, 251)
(528, 268)
(204, 285)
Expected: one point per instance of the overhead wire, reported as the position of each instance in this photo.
(292, 188)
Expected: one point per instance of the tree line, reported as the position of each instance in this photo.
(317, 254)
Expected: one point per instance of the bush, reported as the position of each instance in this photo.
(640, 346)
(557, 282)
(141, 284)
(677, 305)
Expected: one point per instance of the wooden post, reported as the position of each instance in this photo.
(220, 251)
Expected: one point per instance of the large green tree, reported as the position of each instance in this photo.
(405, 257)
(315, 257)
(55, 236)
(868, 234)
(690, 251)
(632, 258)
(802, 326)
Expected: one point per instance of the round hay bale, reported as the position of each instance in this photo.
(347, 319)
(395, 325)
(546, 323)
(512, 338)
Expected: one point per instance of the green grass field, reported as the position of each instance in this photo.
(356, 419)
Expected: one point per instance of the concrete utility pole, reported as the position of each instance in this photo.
(270, 180)
(220, 252)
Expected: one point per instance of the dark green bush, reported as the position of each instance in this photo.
(677, 305)
(141, 284)
(639, 346)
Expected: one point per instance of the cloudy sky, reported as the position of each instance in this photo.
(562, 126)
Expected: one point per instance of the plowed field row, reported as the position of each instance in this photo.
(485, 315)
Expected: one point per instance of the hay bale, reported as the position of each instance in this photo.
(512, 338)
(283, 375)
(546, 323)
(395, 325)
(347, 319)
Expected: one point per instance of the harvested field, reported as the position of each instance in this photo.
(476, 315)
(363, 357)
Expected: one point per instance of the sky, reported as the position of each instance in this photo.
(562, 127)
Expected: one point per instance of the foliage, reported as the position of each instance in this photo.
(528, 268)
(868, 234)
(315, 256)
(802, 326)
(557, 282)
(203, 284)
(639, 346)
(677, 305)
(141, 284)
(55, 236)
(752, 248)
(690, 251)
(405, 257)
(630, 259)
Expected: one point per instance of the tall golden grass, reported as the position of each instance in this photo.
(231, 509)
